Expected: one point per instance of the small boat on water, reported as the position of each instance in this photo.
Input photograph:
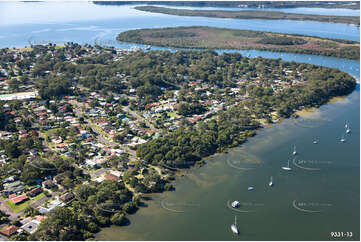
(234, 226)
(287, 168)
(348, 129)
(235, 204)
(315, 141)
(148, 47)
(342, 139)
(271, 182)
(250, 188)
(294, 150)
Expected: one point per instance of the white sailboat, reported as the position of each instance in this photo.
(315, 141)
(271, 182)
(234, 226)
(287, 168)
(342, 138)
(348, 129)
(294, 150)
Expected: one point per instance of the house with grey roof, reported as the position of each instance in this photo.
(31, 226)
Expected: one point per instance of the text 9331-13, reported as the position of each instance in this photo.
(341, 234)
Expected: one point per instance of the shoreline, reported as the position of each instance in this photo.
(182, 174)
(251, 14)
(213, 38)
(227, 149)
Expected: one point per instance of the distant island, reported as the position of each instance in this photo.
(221, 38)
(252, 14)
(244, 4)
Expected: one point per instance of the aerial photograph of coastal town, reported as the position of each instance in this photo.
(179, 120)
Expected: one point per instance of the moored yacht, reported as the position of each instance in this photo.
(271, 182)
(342, 139)
(287, 168)
(234, 226)
(294, 150)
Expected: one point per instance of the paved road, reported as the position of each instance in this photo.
(41, 201)
(140, 118)
(97, 173)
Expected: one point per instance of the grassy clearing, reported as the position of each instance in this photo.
(17, 208)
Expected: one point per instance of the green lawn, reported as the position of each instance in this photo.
(21, 206)
(172, 114)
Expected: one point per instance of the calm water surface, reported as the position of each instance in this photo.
(330, 196)
(83, 22)
(320, 195)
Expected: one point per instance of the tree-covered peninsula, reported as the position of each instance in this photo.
(252, 14)
(89, 132)
(202, 37)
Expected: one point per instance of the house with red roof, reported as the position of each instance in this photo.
(23, 136)
(19, 199)
(111, 177)
(12, 196)
(9, 230)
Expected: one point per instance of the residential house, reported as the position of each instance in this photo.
(9, 230)
(67, 197)
(19, 199)
(35, 191)
(53, 204)
(31, 226)
(111, 177)
(48, 184)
